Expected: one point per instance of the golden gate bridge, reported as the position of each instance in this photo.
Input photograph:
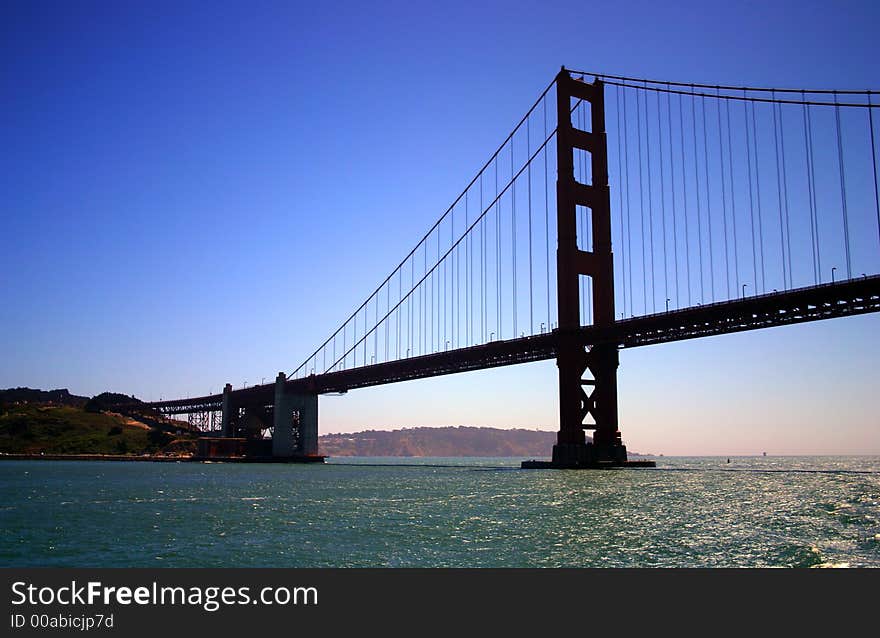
(619, 212)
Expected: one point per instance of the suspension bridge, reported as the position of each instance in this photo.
(619, 212)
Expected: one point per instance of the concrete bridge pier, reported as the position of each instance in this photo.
(228, 423)
(295, 420)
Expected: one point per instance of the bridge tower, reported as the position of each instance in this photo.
(587, 375)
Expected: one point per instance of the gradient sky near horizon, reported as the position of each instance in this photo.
(196, 193)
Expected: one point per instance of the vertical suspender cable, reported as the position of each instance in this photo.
(662, 201)
(472, 339)
(439, 296)
(650, 204)
(632, 301)
(687, 240)
(432, 305)
(424, 334)
(708, 202)
(456, 282)
(454, 287)
(529, 159)
(785, 188)
(779, 191)
(485, 286)
(447, 290)
(751, 195)
(433, 328)
(467, 275)
(732, 196)
(758, 200)
(642, 204)
(441, 301)
(547, 217)
(723, 195)
(497, 253)
(810, 188)
(842, 188)
(815, 204)
(387, 308)
(452, 281)
(513, 234)
(482, 266)
(620, 195)
(672, 192)
(699, 211)
(412, 281)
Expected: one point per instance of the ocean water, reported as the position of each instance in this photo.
(378, 512)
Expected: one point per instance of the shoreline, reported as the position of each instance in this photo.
(156, 458)
(94, 457)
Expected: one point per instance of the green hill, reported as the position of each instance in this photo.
(32, 428)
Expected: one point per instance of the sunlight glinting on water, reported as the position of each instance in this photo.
(689, 512)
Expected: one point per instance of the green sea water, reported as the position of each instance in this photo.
(688, 512)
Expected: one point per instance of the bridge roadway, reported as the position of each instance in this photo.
(825, 301)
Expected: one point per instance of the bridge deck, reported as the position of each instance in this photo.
(825, 301)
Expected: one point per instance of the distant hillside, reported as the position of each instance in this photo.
(439, 441)
(28, 395)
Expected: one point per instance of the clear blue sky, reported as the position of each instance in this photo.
(195, 193)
